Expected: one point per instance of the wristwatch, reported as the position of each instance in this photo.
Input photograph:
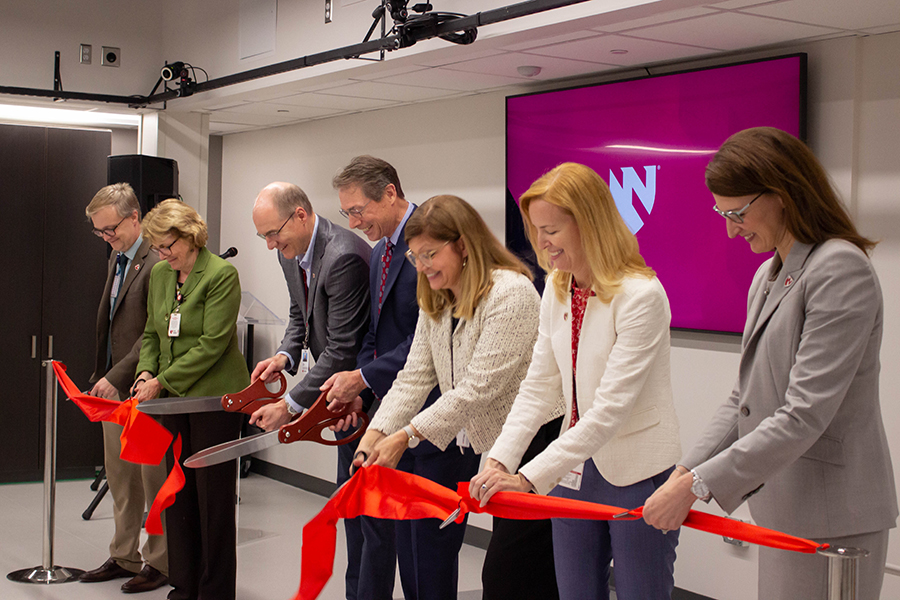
(699, 488)
(413, 440)
(290, 408)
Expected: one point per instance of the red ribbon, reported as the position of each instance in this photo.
(391, 494)
(144, 441)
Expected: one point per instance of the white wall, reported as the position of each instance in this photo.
(32, 31)
(457, 146)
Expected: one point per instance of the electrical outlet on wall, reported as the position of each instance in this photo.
(328, 12)
(85, 54)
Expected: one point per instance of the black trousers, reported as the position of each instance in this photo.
(519, 560)
(200, 526)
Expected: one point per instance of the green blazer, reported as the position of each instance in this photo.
(204, 359)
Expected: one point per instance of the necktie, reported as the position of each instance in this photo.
(121, 260)
(385, 265)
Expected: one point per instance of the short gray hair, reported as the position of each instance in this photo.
(119, 195)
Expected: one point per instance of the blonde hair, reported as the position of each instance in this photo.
(611, 250)
(173, 216)
(119, 195)
(448, 219)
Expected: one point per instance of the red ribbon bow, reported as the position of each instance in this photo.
(144, 441)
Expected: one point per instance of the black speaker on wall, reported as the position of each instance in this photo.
(154, 179)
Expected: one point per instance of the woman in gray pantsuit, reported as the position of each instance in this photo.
(802, 432)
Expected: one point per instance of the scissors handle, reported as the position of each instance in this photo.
(318, 418)
(254, 396)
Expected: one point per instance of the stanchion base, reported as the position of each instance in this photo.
(47, 576)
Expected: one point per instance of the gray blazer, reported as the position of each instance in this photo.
(338, 312)
(128, 321)
(803, 426)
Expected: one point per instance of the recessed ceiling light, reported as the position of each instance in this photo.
(528, 70)
(618, 51)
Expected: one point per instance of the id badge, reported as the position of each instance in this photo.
(572, 480)
(305, 362)
(174, 324)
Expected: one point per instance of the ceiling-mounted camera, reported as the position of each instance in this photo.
(175, 70)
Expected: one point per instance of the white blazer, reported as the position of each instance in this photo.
(478, 367)
(627, 416)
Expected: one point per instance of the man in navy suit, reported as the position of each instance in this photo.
(372, 199)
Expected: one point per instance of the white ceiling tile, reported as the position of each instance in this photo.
(386, 91)
(736, 4)
(453, 54)
(535, 42)
(666, 17)
(247, 119)
(452, 80)
(730, 31)
(378, 73)
(283, 112)
(640, 51)
(322, 100)
(842, 14)
(882, 29)
(551, 66)
(216, 127)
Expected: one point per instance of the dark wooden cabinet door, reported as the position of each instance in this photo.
(74, 275)
(52, 277)
(23, 159)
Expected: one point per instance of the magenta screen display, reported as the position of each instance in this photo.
(650, 140)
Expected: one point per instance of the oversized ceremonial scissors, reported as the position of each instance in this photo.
(309, 426)
(247, 401)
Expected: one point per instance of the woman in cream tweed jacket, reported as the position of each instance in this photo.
(474, 337)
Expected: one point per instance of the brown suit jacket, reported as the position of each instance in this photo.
(128, 321)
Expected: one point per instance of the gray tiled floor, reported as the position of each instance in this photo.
(271, 517)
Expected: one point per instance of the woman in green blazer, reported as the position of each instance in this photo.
(190, 349)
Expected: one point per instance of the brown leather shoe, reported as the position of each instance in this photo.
(108, 570)
(148, 579)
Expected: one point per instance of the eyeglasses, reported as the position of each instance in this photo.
(425, 257)
(164, 250)
(108, 231)
(272, 234)
(356, 212)
(737, 215)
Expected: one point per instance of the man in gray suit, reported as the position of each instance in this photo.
(116, 218)
(327, 272)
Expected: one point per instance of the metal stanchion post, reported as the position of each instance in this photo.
(843, 572)
(48, 572)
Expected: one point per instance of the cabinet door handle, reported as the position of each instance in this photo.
(34, 346)
(49, 346)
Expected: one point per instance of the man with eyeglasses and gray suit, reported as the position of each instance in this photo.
(326, 268)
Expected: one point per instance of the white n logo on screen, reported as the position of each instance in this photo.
(631, 184)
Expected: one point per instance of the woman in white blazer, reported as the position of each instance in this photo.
(477, 325)
(604, 344)
(803, 426)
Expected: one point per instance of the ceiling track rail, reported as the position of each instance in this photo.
(392, 42)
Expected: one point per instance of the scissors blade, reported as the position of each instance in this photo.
(178, 406)
(233, 449)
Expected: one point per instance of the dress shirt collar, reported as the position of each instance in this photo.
(307, 258)
(395, 237)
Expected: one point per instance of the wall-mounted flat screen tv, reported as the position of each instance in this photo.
(651, 139)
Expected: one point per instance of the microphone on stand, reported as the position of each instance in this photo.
(229, 253)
